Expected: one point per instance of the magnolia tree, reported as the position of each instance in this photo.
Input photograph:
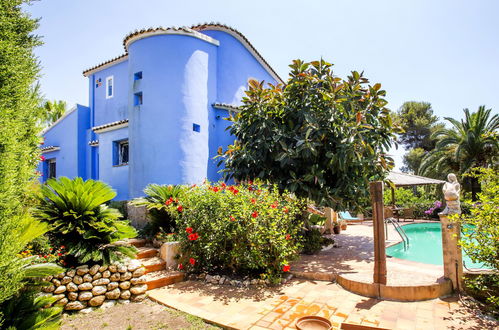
(319, 136)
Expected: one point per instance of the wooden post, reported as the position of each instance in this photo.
(453, 257)
(376, 189)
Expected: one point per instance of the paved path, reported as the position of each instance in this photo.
(278, 308)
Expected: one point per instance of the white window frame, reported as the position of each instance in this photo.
(120, 152)
(108, 79)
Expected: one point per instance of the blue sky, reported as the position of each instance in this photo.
(443, 52)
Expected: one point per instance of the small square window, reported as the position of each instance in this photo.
(51, 168)
(137, 75)
(196, 128)
(109, 87)
(120, 153)
(137, 98)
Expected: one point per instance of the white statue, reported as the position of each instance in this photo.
(451, 191)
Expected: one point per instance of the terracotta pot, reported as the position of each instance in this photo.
(343, 225)
(336, 229)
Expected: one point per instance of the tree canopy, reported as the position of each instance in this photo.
(319, 136)
(52, 110)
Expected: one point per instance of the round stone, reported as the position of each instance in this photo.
(115, 277)
(103, 268)
(97, 301)
(74, 306)
(56, 282)
(125, 285)
(133, 265)
(112, 285)
(62, 302)
(97, 276)
(93, 270)
(113, 268)
(73, 295)
(122, 268)
(113, 294)
(71, 273)
(60, 275)
(139, 289)
(139, 272)
(138, 298)
(87, 278)
(106, 274)
(138, 280)
(85, 295)
(123, 301)
(101, 281)
(66, 280)
(72, 287)
(99, 290)
(77, 279)
(85, 286)
(60, 289)
(82, 270)
(108, 303)
(59, 296)
(125, 276)
(49, 288)
(125, 294)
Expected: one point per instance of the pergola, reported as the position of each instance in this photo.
(406, 180)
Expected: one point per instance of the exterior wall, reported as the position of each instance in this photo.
(178, 86)
(69, 135)
(114, 175)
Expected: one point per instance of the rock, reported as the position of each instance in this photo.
(71, 273)
(93, 270)
(99, 290)
(56, 282)
(138, 298)
(72, 287)
(122, 268)
(66, 279)
(103, 268)
(97, 276)
(123, 301)
(73, 295)
(133, 265)
(125, 276)
(139, 289)
(222, 281)
(113, 294)
(49, 288)
(60, 275)
(96, 301)
(208, 278)
(125, 285)
(85, 295)
(62, 302)
(48, 278)
(115, 277)
(77, 279)
(87, 278)
(101, 281)
(202, 276)
(233, 282)
(125, 294)
(112, 285)
(108, 303)
(139, 280)
(86, 310)
(246, 283)
(85, 286)
(82, 270)
(113, 268)
(254, 282)
(74, 306)
(60, 289)
(139, 272)
(106, 274)
(59, 296)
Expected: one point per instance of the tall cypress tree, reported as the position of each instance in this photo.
(19, 113)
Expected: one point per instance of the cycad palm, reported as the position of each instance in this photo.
(469, 143)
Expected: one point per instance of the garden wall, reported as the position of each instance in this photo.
(86, 286)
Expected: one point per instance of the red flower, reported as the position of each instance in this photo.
(188, 230)
(193, 185)
(285, 209)
(180, 266)
(286, 268)
(232, 218)
(288, 237)
(63, 247)
(274, 205)
(216, 189)
(253, 200)
(180, 208)
(59, 254)
(168, 202)
(192, 261)
(235, 191)
(254, 214)
(223, 185)
(193, 237)
(250, 182)
(42, 158)
(250, 188)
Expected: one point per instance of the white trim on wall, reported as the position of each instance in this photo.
(189, 32)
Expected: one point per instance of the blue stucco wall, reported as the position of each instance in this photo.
(178, 86)
(116, 176)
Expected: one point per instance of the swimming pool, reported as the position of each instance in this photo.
(425, 245)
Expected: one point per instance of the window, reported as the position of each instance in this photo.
(137, 75)
(137, 99)
(51, 173)
(196, 128)
(109, 87)
(120, 153)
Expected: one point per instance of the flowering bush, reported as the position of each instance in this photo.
(245, 229)
(433, 211)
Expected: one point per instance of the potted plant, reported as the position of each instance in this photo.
(343, 224)
(336, 228)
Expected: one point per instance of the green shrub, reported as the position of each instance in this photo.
(82, 222)
(421, 199)
(313, 241)
(244, 229)
(157, 199)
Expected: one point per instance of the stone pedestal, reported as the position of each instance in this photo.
(168, 252)
(453, 257)
(137, 215)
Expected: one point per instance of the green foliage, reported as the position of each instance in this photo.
(421, 199)
(52, 110)
(245, 229)
(157, 199)
(319, 136)
(18, 141)
(79, 219)
(313, 241)
(418, 122)
(485, 288)
(412, 160)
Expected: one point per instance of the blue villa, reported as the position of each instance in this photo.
(155, 113)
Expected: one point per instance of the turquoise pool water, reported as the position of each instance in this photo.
(425, 245)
